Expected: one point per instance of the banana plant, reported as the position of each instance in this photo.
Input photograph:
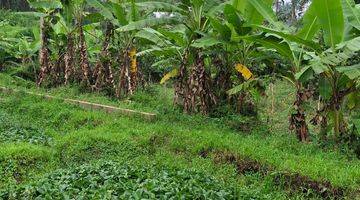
(8, 41)
(116, 15)
(78, 10)
(60, 23)
(277, 36)
(127, 18)
(102, 75)
(238, 53)
(193, 86)
(46, 10)
(339, 21)
(338, 79)
(335, 84)
(23, 53)
(75, 28)
(70, 25)
(203, 30)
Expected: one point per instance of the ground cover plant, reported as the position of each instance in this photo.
(253, 99)
(111, 181)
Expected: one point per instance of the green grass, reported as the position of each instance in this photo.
(173, 142)
(142, 101)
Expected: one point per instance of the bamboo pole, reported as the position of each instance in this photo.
(89, 105)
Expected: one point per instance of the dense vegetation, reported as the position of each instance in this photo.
(222, 77)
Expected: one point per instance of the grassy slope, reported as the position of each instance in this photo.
(173, 140)
(80, 137)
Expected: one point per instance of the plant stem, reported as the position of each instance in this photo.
(336, 122)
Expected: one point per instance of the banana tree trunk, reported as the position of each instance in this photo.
(222, 80)
(124, 78)
(58, 69)
(201, 95)
(69, 59)
(336, 122)
(44, 58)
(181, 88)
(84, 60)
(103, 70)
(321, 119)
(207, 98)
(298, 118)
(133, 70)
(332, 108)
(335, 107)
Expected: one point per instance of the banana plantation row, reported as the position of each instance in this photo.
(220, 52)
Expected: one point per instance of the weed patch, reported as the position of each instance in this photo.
(12, 130)
(110, 180)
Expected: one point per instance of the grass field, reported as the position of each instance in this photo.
(53, 149)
